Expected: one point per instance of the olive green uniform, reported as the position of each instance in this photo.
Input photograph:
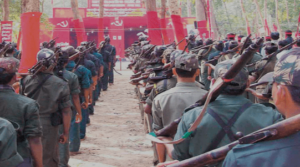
(161, 87)
(54, 95)
(23, 111)
(9, 157)
(170, 104)
(74, 89)
(254, 117)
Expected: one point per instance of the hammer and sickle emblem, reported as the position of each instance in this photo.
(63, 24)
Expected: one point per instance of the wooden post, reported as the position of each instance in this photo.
(31, 6)
(5, 9)
(277, 19)
(188, 7)
(245, 17)
(259, 12)
(154, 30)
(74, 6)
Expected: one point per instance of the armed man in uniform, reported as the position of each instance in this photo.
(76, 107)
(24, 112)
(53, 96)
(106, 52)
(228, 114)
(285, 151)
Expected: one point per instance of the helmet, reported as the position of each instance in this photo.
(70, 50)
(142, 38)
(159, 50)
(80, 48)
(45, 54)
(107, 39)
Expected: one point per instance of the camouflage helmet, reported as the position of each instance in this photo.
(167, 54)
(239, 81)
(187, 62)
(159, 50)
(287, 69)
(83, 43)
(9, 65)
(173, 56)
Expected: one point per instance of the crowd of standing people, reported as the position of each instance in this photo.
(45, 112)
(198, 115)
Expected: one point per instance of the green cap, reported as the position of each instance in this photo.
(186, 62)
(239, 81)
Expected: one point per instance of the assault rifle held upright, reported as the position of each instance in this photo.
(50, 44)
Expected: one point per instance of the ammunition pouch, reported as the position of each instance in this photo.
(56, 118)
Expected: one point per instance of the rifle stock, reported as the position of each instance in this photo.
(279, 130)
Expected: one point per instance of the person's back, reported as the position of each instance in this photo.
(9, 157)
(169, 105)
(285, 150)
(53, 96)
(228, 114)
(21, 110)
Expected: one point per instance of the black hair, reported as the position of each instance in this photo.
(230, 91)
(295, 93)
(271, 48)
(185, 74)
(283, 43)
(6, 78)
(298, 42)
(275, 35)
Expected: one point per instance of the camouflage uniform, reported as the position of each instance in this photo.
(274, 153)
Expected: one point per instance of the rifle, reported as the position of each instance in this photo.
(50, 44)
(269, 58)
(148, 51)
(4, 49)
(43, 63)
(102, 44)
(214, 92)
(201, 47)
(180, 41)
(279, 130)
(224, 53)
(81, 57)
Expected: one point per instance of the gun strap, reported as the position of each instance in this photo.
(226, 128)
(39, 86)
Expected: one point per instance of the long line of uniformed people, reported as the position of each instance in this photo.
(263, 93)
(43, 117)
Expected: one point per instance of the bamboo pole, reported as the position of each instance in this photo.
(245, 17)
(5, 9)
(277, 19)
(259, 12)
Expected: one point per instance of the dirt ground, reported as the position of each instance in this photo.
(116, 136)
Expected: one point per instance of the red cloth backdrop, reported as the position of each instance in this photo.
(116, 34)
(164, 31)
(62, 32)
(80, 31)
(179, 31)
(202, 28)
(30, 23)
(100, 30)
(6, 31)
(154, 31)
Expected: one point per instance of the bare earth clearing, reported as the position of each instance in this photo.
(116, 136)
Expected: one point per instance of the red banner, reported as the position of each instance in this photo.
(116, 34)
(62, 32)
(154, 31)
(202, 28)
(100, 30)
(80, 31)
(30, 23)
(164, 31)
(6, 30)
(179, 31)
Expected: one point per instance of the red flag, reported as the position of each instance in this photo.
(275, 27)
